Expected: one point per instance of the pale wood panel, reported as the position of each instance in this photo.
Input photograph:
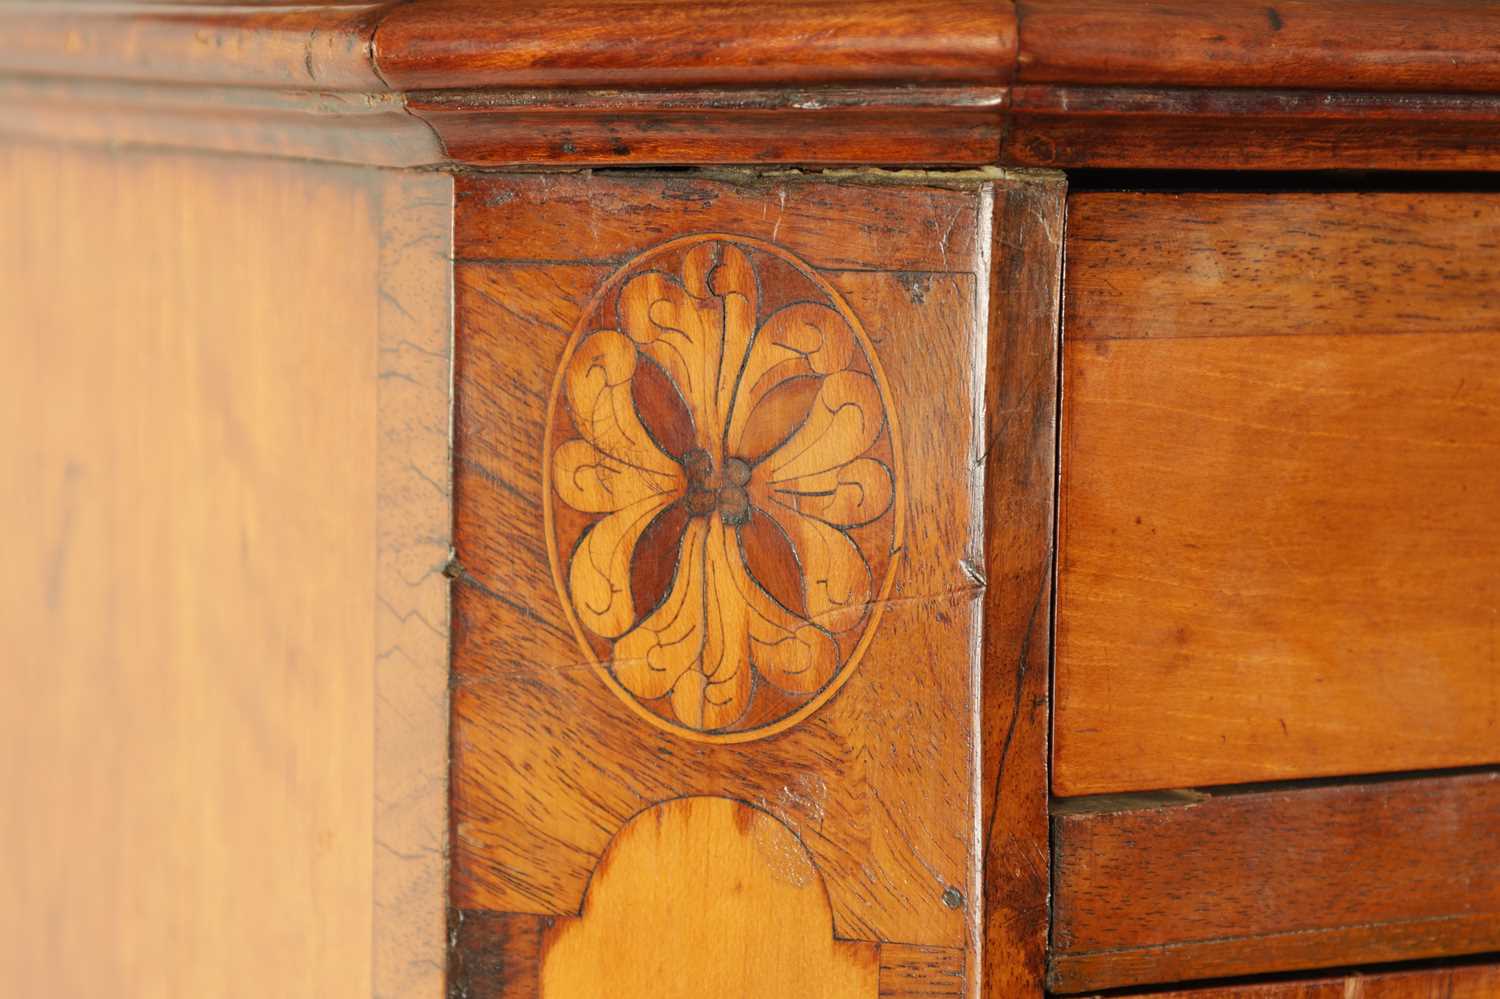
(193, 435)
(684, 875)
(413, 524)
(1278, 541)
(373, 129)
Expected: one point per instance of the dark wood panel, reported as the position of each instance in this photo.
(1233, 884)
(1480, 981)
(508, 225)
(1020, 456)
(1281, 459)
(1414, 45)
(588, 43)
(843, 126)
(1206, 264)
(1072, 127)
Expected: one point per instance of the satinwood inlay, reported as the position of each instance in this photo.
(725, 496)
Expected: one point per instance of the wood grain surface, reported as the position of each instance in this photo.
(332, 126)
(1336, 46)
(1420, 46)
(591, 44)
(1020, 456)
(680, 880)
(1472, 981)
(1069, 126)
(845, 125)
(1281, 463)
(1308, 84)
(205, 526)
(1245, 883)
(309, 46)
(880, 784)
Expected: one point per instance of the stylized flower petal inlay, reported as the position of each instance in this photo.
(724, 472)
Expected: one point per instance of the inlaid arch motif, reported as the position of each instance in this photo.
(725, 501)
(699, 897)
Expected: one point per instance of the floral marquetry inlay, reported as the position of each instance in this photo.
(725, 506)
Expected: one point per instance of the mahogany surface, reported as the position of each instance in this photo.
(588, 44)
(1425, 46)
(1470, 981)
(1280, 469)
(1229, 884)
(1307, 84)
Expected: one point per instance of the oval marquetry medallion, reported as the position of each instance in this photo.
(725, 501)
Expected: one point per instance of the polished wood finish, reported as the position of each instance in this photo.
(1279, 476)
(1070, 126)
(1020, 462)
(1417, 47)
(1479, 981)
(459, 44)
(926, 125)
(560, 736)
(490, 224)
(1206, 886)
(1256, 264)
(224, 415)
(1426, 46)
(1310, 84)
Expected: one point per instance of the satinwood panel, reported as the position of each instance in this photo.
(721, 481)
(1180, 886)
(223, 474)
(1280, 478)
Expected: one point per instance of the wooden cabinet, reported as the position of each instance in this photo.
(570, 500)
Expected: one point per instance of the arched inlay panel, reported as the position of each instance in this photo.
(705, 897)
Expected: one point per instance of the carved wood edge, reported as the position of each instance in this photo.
(444, 82)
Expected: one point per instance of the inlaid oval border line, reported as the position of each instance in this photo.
(882, 588)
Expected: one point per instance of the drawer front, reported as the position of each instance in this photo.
(1178, 886)
(1279, 551)
(1460, 981)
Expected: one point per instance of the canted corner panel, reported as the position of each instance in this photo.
(719, 489)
